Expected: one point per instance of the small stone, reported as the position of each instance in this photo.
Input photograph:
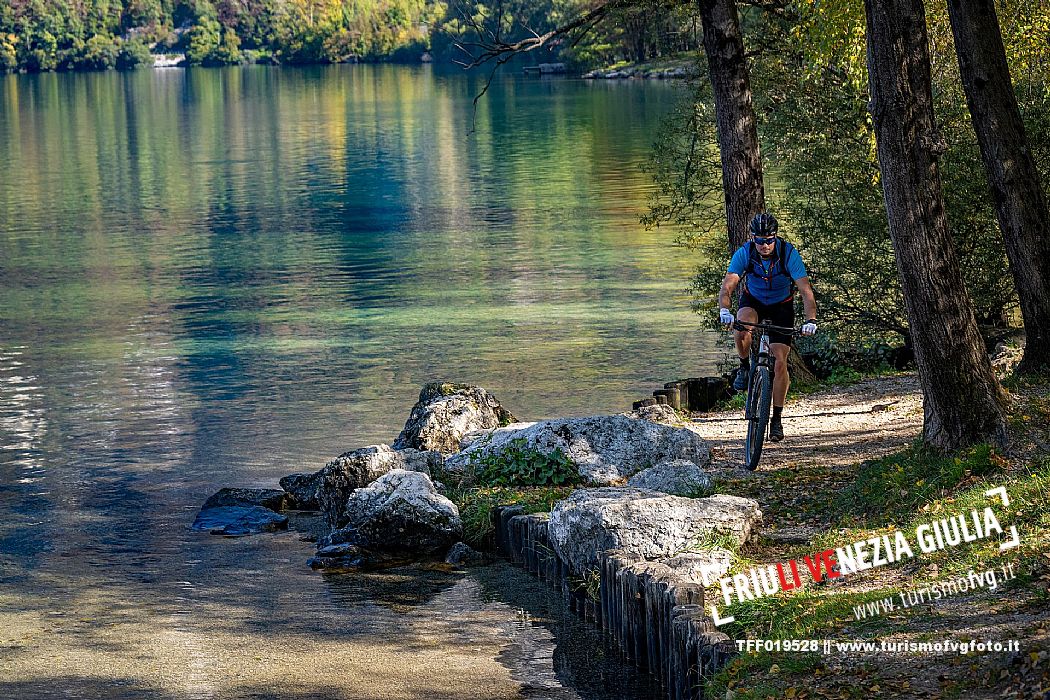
(302, 490)
(463, 554)
(678, 477)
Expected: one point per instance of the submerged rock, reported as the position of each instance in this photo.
(359, 468)
(274, 499)
(606, 449)
(399, 512)
(462, 554)
(678, 477)
(445, 412)
(650, 524)
(338, 557)
(301, 490)
(239, 520)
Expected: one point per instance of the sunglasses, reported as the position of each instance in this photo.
(763, 241)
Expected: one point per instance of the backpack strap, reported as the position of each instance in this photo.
(752, 251)
(786, 249)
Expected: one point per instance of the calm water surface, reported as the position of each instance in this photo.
(218, 277)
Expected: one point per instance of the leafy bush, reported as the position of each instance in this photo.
(204, 40)
(476, 504)
(521, 465)
(133, 54)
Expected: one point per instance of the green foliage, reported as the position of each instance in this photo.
(98, 53)
(204, 41)
(133, 54)
(475, 506)
(822, 177)
(826, 354)
(637, 32)
(520, 465)
(42, 35)
(589, 584)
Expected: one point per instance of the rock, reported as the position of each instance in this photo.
(339, 557)
(678, 477)
(704, 567)
(399, 512)
(239, 520)
(359, 468)
(606, 449)
(649, 524)
(267, 498)
(1006, 357)
(302, 490)
(657, 413)
(463, 554)
(446, 412)
(791, 534)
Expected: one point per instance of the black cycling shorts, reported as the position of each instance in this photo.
(782, 314)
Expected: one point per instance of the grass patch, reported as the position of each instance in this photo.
(810, 613)
(901, 491)
(476, 504)
(890, 488)
(1029, 510)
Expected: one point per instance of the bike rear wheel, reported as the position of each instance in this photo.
(759, 399)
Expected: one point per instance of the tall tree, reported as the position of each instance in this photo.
(734, 117)
(963, 402)
(1020, 201)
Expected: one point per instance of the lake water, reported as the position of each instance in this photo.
(218, 277)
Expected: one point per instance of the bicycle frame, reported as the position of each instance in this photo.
(759, 351)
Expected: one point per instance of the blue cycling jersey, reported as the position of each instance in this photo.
(768, 280)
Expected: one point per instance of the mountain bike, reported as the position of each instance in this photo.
(759, 387)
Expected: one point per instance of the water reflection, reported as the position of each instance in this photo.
(218, 277)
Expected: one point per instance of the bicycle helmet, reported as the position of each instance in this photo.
(764, 225)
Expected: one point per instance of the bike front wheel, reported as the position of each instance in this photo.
(759, 399)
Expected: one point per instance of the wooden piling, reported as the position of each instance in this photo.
(682, 387)
(653, 616)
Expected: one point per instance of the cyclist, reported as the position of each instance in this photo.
(771, 269)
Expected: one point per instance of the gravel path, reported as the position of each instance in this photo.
(838, 426)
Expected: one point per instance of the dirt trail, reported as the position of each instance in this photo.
(828, 435)
(841, 426)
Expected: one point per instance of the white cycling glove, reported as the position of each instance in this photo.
(725, 316)
(809, 327)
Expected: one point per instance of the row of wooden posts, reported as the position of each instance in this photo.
(656, 617)
(693, 394)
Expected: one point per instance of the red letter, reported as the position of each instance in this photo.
(814, 570)
(829, 564)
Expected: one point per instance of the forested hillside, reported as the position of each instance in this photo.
(47, 35)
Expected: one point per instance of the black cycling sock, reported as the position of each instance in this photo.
(777, 410)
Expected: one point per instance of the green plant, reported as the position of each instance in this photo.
(589, 583)
(521, 465)
(476, 504)
(844, 375)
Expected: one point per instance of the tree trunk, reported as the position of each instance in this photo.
(1020, 202)
(735, 117)
(963, 402)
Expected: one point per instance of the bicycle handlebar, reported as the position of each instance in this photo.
(766, 326)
